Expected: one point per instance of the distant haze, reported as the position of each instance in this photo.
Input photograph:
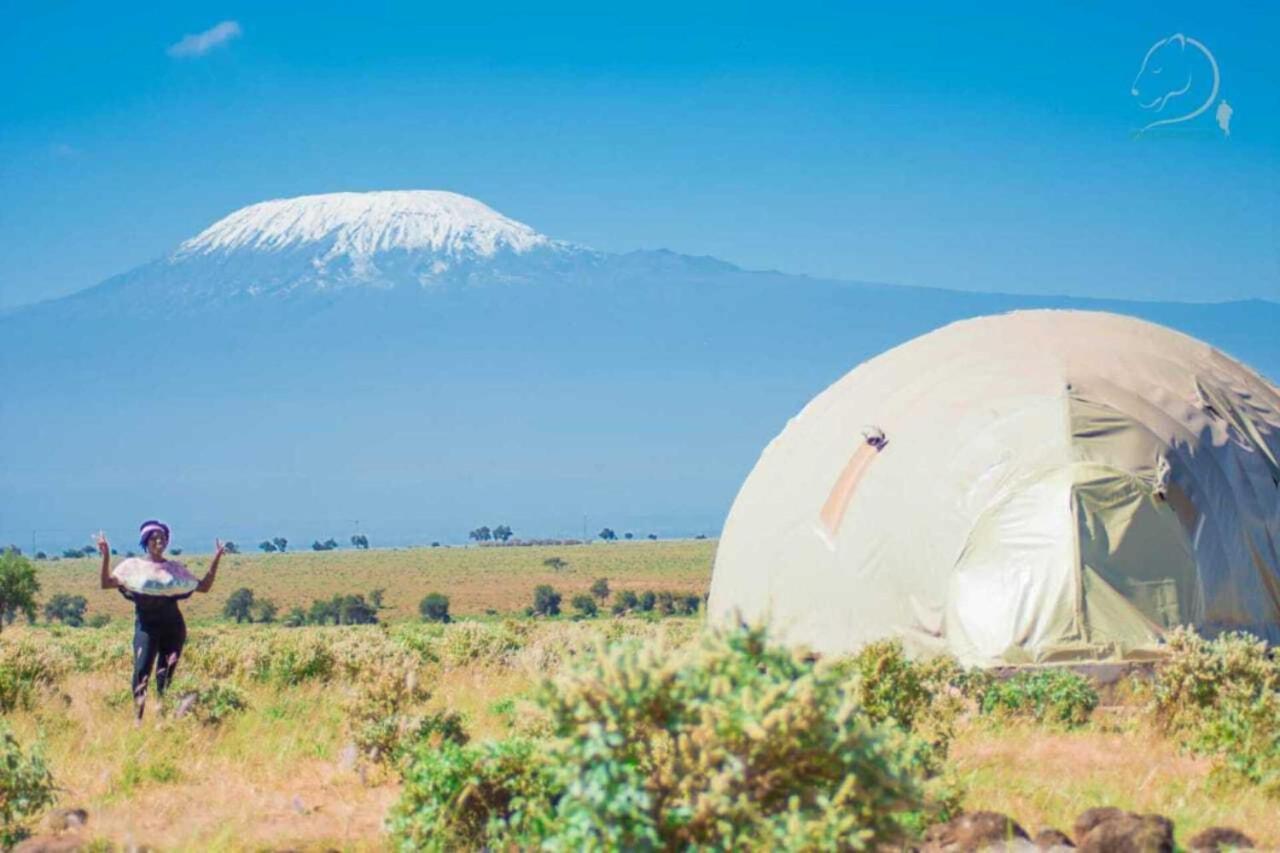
(411, 365)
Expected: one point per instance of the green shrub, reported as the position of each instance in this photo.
(600, 589)
(457, 796)
(585, 605)
(648, 600)
(725, 744)
(1046, 695)
(546, 601)
(434, 608)
(625, 601)
(1222, 698)
(26, 787)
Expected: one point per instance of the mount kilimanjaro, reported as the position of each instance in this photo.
(419, 362)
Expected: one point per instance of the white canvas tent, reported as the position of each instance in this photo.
(1031, 487)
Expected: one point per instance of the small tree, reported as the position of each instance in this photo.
(87, 550)
(67, 609)
(361, 541)
(666, 603)
(177, 552)
(600, 589)
(435, 608)
(556, 564)
(647, 600)
(689, 604)
(239, 605)
(281, 543)
(653, 536)
(354, 610)
(231, 547)
(481, 534)
(296, 618)
(41, 555)
(608, 535)
(585, 605)
(546, 601)
(502, 533)
(72, 553)
(267, 545)
(628, 535)
(18, 587)
(264, 610)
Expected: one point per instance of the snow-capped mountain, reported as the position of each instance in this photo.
(360, 225)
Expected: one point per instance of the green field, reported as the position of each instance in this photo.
(476, 579)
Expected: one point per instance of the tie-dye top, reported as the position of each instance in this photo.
(144, 577)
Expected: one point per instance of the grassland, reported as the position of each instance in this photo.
(477, 579)
(277, 774)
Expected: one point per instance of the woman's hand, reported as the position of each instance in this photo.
(218, 548)
(104, 576)
(206, 583)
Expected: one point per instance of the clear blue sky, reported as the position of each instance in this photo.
(975, 146)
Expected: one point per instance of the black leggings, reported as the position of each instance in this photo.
(159, 645)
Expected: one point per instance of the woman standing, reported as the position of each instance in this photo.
(155, 586)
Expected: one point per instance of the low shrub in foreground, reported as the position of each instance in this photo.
(26, 787)
(730, 742)
(1222, 698)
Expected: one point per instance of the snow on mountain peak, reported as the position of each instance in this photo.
(362, 224)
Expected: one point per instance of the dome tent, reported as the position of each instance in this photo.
(1032, 487)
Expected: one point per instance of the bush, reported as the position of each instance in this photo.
(625, 601)
(1222, 698)
(585, 605)
(263, 610)
(1046, 695)
(296, 618)
(648, 600)
(600, 589)
(435, 608)
(546, 601)
(267, 546)
(67, 609)
(729, 744)
(239, 605)
(26, 787)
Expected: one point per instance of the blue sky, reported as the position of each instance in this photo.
(928, 144)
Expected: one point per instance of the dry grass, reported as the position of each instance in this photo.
(1046, 778)
(475, 579)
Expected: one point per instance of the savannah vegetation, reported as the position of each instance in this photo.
(466, 716)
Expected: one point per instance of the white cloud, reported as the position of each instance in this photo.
(201, 43)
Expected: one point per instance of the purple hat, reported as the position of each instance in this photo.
(149, 528)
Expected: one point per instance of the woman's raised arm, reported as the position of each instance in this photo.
(206, 583)
(104, 549)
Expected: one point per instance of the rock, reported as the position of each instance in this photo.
(63, 819)
(1218, 839)
(49, 844)
(1116, 831)
(1052, 839)
(1092, 817)
(974, 831)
